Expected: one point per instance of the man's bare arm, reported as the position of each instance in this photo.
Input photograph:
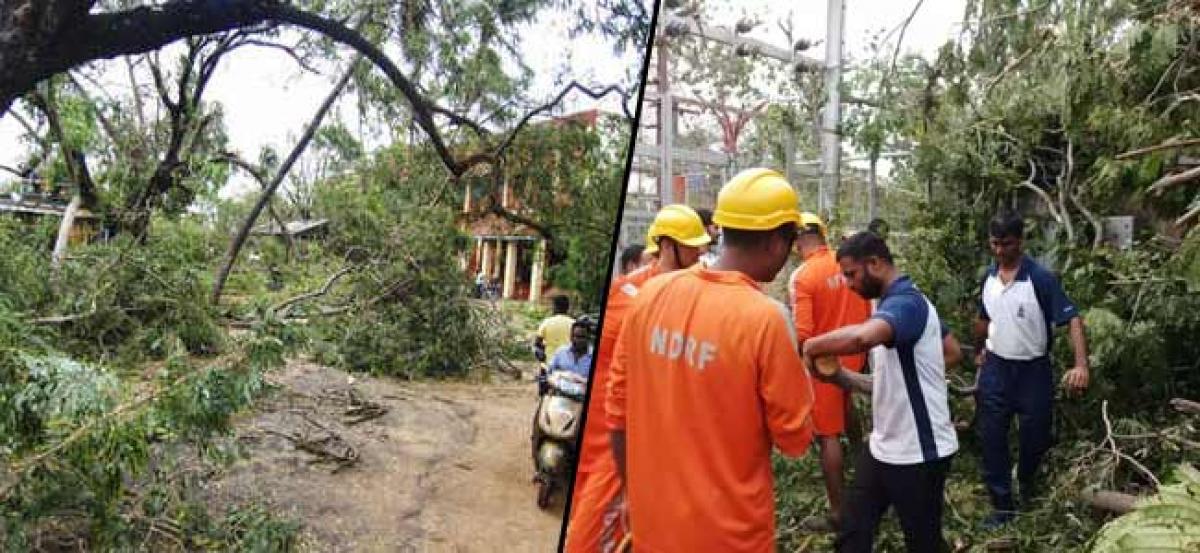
(849, 340)
(1076, 379)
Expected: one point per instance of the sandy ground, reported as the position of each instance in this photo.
(446, 468)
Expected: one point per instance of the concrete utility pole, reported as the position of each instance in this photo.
(831, 150)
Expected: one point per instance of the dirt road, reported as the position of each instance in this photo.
(446, 468)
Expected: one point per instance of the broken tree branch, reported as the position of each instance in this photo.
(237, 161)
(1186, 406)
(1191, 213)
(323, 290)
(1064, 184)
(1045, 196)
(1048, 39)
(235, 245)
(1172, 180)
(1173, 143)
(1108, 437)
(1097, 226)
(64, 231)
(886, 80)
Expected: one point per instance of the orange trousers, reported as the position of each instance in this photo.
(597, 523)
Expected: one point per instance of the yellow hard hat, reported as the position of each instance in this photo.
(756, 199)
(808, 218)
(651, 245)
(679, 223)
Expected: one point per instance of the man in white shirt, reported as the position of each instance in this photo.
(913, 438)
(1020, 304)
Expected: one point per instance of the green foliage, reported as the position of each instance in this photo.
(79, 437)
(252, 528)
(24, 265)
(411, 315)
(1064, 88)
(1169, 521)
(585, 225)
(146, 300)
(83, 441)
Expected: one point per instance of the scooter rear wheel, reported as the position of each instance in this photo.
(545, 491)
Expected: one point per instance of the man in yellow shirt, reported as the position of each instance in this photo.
(555, 330)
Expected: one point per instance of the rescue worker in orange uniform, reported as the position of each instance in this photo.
(821, 302)
(595, 524)
(706, 378)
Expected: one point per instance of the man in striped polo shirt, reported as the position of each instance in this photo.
(913, 439)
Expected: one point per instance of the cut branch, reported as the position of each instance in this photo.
(1113, 502)
(1191, 213)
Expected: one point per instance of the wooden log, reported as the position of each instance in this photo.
(1107, 500)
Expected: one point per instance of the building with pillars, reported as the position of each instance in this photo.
(510, 253)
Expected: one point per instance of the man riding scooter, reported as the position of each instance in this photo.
(556, 421)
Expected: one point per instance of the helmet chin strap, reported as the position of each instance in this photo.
(675, 251)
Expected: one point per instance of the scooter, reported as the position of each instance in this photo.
(556, 433)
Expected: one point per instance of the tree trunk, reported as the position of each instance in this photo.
(64, 231)
(239, 239)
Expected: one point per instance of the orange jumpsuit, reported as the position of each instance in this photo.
(822, 302)
(595, 523)
(705, 378)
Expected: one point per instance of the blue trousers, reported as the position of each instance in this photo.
(1007, 388)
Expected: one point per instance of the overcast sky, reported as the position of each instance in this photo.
(935, 21)
(267, 97)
